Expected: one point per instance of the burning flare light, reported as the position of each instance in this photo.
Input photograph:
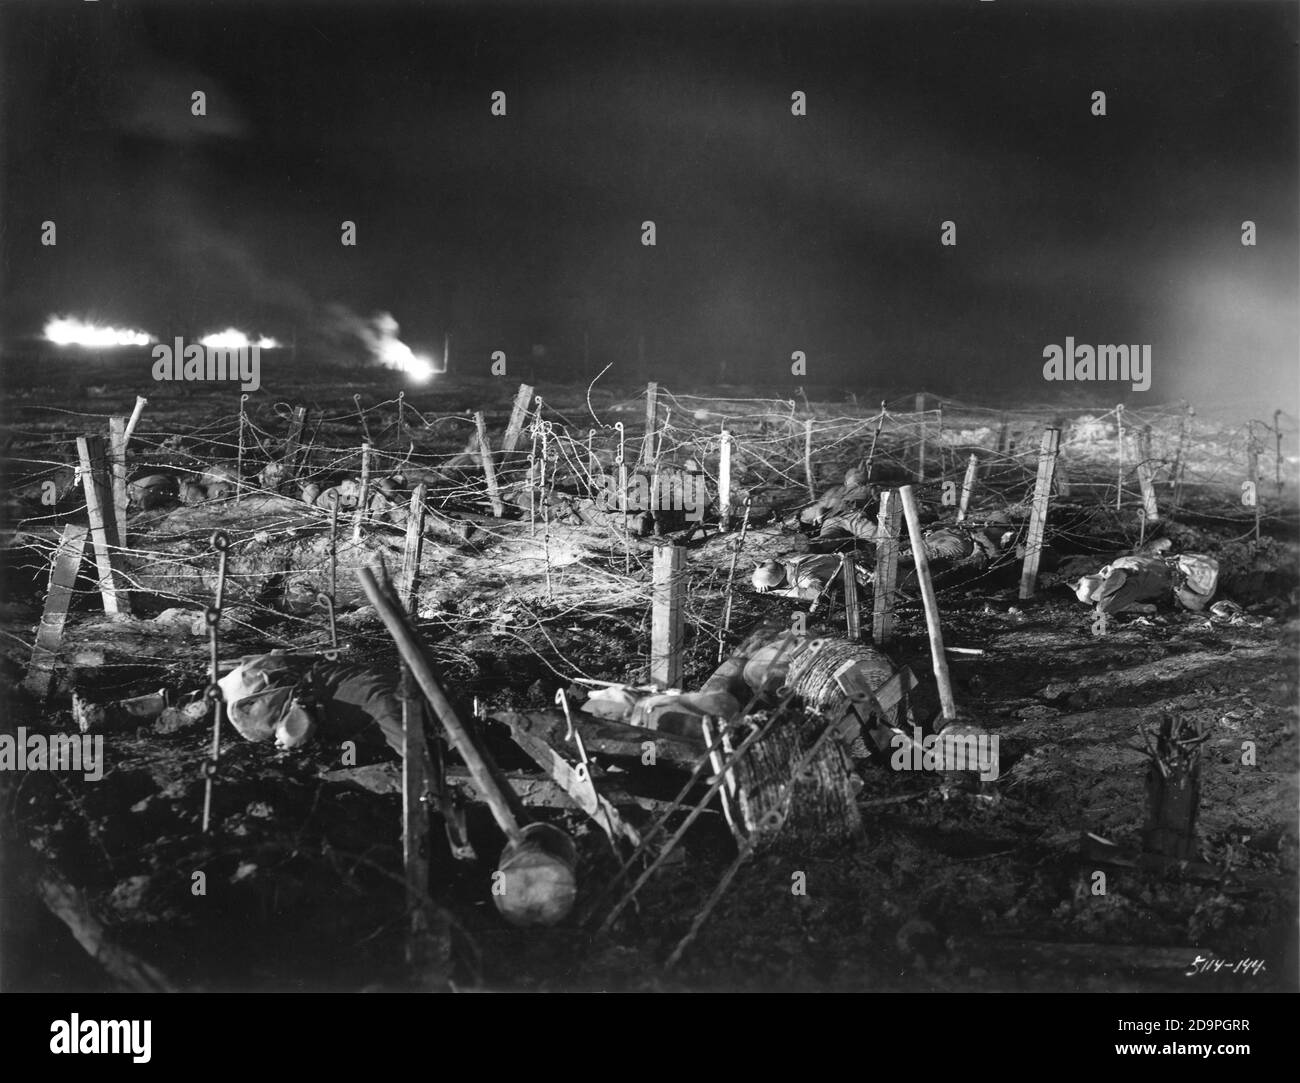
(390, 351)
(70, 332)
(236, 340)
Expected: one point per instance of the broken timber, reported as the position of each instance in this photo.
(489, 468)
(63, 575)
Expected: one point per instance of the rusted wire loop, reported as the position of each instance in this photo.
(213, 692)
(220, 541)
(209, 769)
(211, 616)
(282, 410)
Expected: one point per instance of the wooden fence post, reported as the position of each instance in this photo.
(117, 463)
(667, 616)
(1038, 516)
(489, 469)
(882, 612)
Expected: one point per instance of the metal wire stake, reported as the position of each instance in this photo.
(212, 615)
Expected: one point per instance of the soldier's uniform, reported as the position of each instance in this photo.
(293, 697)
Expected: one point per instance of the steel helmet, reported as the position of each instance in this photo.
(768, 576)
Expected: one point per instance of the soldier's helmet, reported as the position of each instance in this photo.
(768, 576)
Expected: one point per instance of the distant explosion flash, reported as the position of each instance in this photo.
(230, 339)
(380, 338)
(69, 332)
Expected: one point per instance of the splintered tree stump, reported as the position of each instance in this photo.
(821, 810)
(1173, 791)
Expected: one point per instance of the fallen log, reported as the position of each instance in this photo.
(68, 904)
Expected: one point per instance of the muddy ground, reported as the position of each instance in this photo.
(949, 890)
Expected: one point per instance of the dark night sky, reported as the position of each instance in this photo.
(775, 233)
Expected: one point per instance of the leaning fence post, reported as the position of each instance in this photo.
(1038, 516)
(63, 576)
(887, 530)
(489, 468)
(412, 551)
(667, 616)
(938, 659)
(968, 483)
(103, 526)
(518, 415)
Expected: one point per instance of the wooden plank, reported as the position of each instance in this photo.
(411, 552)
(63, 576)
(117, 466)
(1038, 516)
(667, 617)
(489, 468)
(887, 531)
(616, 740)
(967, 486)
(103, 524)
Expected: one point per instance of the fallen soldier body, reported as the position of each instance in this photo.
(293, 698)
(1137, 581)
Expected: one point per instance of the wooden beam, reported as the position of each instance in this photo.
(967, 485)
(668, 616)
(1038, 516)
(412, 551)
(489, 468)
(103, 524)
(63, 576)
(938, 659)
(887, 530)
